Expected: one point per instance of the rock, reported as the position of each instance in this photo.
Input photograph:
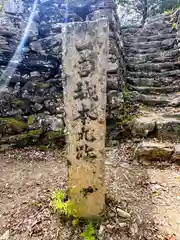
(10, 126)
(52, 123)
(45, 122)
(37, 107)
(113, 67)
(154, 151)
(115, 99)
(110, 227)
(123, 225)
(4, 148)
(101, 230)
(122, 213)
(176, 155)
(143, 126)
(134, 229)
(25, 139)
(168, 128)
(13, 7)
(154, 100)
(5, 236)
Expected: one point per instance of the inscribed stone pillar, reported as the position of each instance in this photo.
(85, 50)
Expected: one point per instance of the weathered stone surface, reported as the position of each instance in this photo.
(86, 46)
(113, 67)
(49, 45)
(152, 90)
(115, 99)
(154, 100)
(11, 126)
(176, 155)
(143, 126)
(154, 151)
(13, 7)
(168, 128)
(157, 81)
(112, 82)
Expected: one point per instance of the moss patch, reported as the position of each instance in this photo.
(11, 126)
(53, 138)
(26, 139)
(43, 85)
(19, 103)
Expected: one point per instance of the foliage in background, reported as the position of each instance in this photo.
(137, 11)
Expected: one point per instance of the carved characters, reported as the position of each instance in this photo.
(84, 92)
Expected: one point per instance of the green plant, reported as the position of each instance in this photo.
(64, 207)
(125, 92)
(174, 26)
(30, 120)
(89, 232)
(168, 11)
(68, 208)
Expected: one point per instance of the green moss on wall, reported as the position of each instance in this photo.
(26, 139)
(53, 138)
(11, 126)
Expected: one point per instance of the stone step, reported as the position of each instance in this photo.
(154, 44)
(163, 56)
(155, 150)
(155, 124)
(152, 99)
(154, 75)
(132, 51)
(154, 67)
(147, 32)
(154, 90)
(158, 37)
(157, 81)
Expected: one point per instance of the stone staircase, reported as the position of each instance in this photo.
(153, 69)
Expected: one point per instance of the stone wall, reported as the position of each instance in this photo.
(31, 105)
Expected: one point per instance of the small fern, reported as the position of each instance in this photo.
(89, 232)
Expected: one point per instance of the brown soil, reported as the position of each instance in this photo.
(150, 194)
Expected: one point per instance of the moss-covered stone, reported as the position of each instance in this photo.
(19, 103)
(26, 139)
(53, 138)
(43, 148)
(43, 85)
(154, 151)
(10, 126)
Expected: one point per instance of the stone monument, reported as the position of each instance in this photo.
(85, 58)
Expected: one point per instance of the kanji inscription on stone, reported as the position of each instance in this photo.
(85, 50)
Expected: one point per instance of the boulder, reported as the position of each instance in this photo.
(143, 126)
(154, 151)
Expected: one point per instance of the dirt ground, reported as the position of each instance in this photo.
(149, 193)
